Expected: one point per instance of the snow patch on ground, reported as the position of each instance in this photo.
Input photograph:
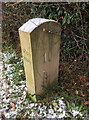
(7, 94)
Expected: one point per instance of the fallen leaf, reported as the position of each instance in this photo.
(13, 109)
(62, 87)
(75, 83)
(62, 17)
(76, 92)
(44, 99)
(38, 101)
(12, 104)
(81, 93)
(82, 85)
(48, 99)
(80, 78)
(70, 89)
(87, 102)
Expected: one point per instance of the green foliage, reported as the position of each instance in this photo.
(73, 17)
(74, 49)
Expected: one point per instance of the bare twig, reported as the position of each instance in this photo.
(75, 39)
(81, 37)
(84, 43)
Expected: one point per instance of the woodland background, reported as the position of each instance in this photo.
(74, 51)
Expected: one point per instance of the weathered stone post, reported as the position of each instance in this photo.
(40, 44)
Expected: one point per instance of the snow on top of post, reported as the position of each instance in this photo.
(30, 25)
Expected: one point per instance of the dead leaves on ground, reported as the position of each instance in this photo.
(77, 87)
(13, 106)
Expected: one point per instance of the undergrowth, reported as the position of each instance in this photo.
(17, 101)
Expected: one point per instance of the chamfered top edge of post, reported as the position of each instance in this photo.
(31, 24)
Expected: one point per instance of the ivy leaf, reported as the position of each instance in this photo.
(68, 20)
(81, 107)
(60, 12)
(64, 20)
(58, 8)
